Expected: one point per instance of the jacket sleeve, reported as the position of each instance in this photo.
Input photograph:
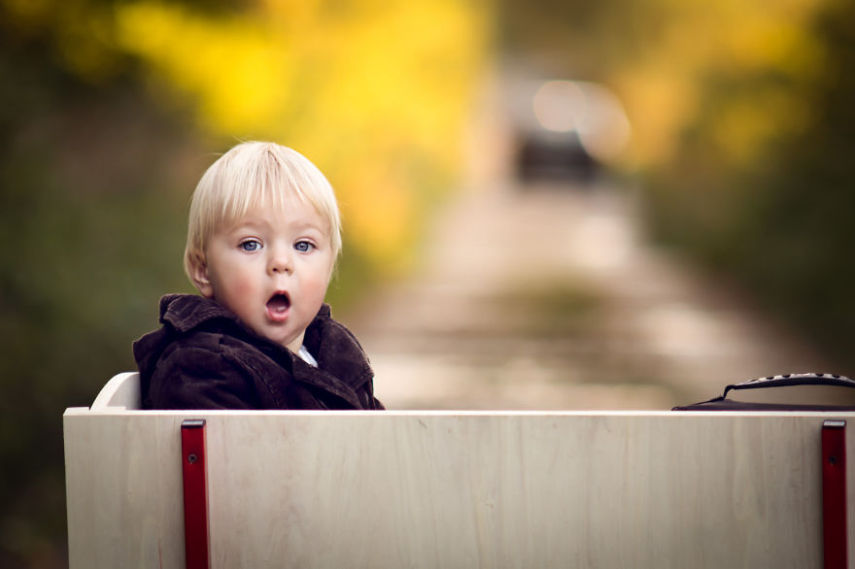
(195, 377)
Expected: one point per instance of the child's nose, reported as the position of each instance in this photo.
(280, 261)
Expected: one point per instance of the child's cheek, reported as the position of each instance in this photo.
(244, 285)
(317, 287)
(236, 279)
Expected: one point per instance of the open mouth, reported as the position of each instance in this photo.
(278, 305)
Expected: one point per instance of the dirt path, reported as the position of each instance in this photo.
(550, 298)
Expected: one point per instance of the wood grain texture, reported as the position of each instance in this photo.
(421, 489)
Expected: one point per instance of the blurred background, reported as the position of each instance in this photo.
(547, 204)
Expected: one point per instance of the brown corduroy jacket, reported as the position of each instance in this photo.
(204, 357)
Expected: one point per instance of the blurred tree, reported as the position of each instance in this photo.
(87, 168)
(807, 198)
(759, 183)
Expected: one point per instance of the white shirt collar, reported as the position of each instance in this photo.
(307, 357)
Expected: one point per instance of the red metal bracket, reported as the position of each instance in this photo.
(196, 535)
(834, 531)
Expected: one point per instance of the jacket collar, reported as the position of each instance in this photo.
(342, 365)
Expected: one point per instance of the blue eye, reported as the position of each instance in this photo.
(250, 245)
(303, 246)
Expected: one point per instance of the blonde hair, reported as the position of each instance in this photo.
(255, 174)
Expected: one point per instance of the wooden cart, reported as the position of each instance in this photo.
(256, 489)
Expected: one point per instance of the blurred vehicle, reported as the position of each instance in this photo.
(566, 129)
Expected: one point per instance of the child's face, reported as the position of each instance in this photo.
(271, 268)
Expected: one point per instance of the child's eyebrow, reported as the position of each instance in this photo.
(310, 225)
(247, 223)
(260, 224)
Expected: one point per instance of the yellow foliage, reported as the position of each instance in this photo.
(26, 14)
(658, 102)
(662, 88)
(84, 47)
(364, 89)
(378, 214)
(743, 127)
(232, 67)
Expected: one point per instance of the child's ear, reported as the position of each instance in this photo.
(199, 274)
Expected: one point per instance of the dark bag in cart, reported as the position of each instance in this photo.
(826, 385)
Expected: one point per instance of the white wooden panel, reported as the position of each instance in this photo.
(121, 392)
(411, 489)
(123, 490)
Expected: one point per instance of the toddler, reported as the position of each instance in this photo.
(263, 238)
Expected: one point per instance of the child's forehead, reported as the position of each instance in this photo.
(281, 201)
(291, 210)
